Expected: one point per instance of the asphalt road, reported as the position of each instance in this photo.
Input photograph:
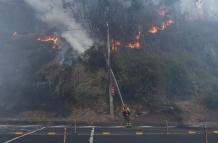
(104, 134)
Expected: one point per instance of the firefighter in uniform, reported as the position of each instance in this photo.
(126, 114)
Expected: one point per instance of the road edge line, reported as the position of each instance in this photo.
(24, 135)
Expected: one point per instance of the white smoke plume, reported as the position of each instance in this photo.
(195, 9)
(53, 13)
(200, 9)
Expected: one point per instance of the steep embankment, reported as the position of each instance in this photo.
(164, 56)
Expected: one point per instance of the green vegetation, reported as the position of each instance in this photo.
(145, 78)
(176, 64)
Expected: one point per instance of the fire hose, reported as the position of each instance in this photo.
(121, 97)
(117, 86)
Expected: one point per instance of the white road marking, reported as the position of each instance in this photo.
(145, 126)
(27, 126)
(24, 135)
(112, 126)
(108, 127)
(4, 126)
(102, 127)
(19, 125)
(92, 135)
(171, 126)
(86, 126)
(60, 126)
(69, 126)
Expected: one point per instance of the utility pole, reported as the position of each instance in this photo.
(167, 128)
(109, 73)
(205, 135)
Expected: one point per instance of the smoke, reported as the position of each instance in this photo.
(210, 8)
(53, 13)
(193, 9)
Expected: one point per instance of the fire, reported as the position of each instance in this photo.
(115, 45)
(136, 44)
(132, 45)
(52, 38)
(163, 26)
(153, 29)
(166, 24)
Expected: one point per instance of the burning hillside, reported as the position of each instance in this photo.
(163, 52)
(132, 45)
(115, 45)
(163, 26)
(51, 38)
(136, 43)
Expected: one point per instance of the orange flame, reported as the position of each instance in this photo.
(153, 29)
(163, 26)
(52, 38)
(136, 44)
(115, 45)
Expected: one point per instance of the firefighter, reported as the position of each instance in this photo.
(125, 111)
(126, 114)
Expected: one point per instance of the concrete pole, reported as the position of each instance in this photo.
(65, 135)
(205, 135)
(75, 128)
(109, 73)
(167, 128)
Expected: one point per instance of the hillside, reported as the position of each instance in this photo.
(164, 58)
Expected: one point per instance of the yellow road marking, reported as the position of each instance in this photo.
(192, 132)
(18, 133)
(106, 133)
(51, 133)
(139, 133)
(215, 132)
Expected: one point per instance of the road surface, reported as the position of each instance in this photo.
(104, 134)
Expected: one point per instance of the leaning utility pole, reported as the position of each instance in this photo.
(109, 73)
